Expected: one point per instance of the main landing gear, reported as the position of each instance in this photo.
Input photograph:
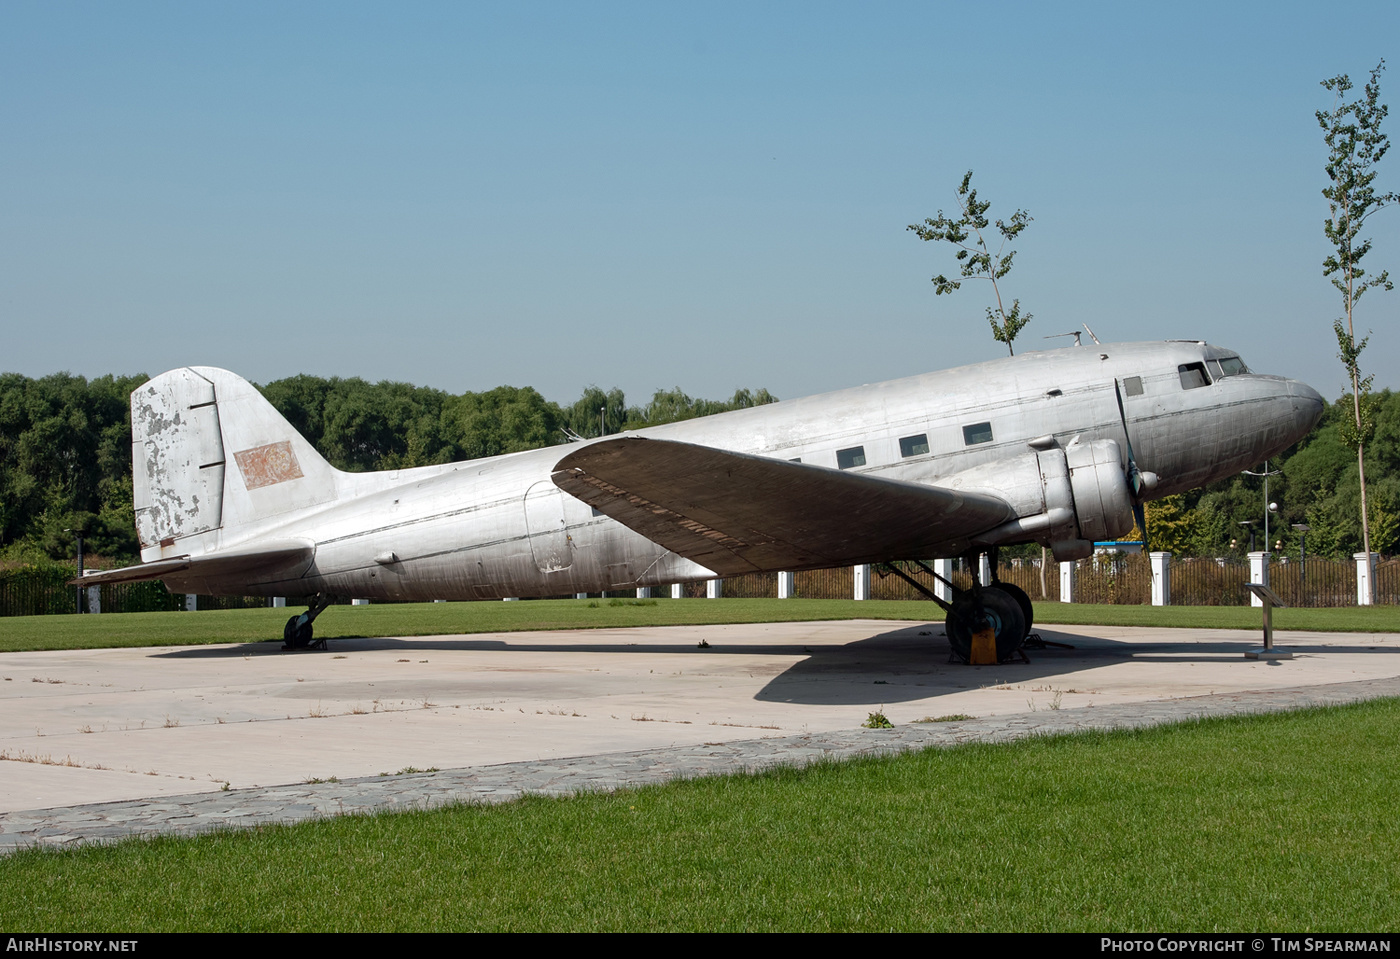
(297, 634)
(986, 625)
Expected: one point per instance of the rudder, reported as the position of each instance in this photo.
(213, 462)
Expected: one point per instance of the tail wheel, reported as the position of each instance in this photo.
(297, 633)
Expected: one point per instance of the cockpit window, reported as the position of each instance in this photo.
(1226, 366)
(1193, 375)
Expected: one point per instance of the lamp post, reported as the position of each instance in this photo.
(1268, 507)
(1250, 523)
(1303, 530)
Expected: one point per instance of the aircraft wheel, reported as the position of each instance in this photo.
(1006, 618)
(1022, 600)
(296, 634)
(1002, 611)
(960, 625)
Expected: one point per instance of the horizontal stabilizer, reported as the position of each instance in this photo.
(738, 513)
(265, 562)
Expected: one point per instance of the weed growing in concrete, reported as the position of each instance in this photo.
(878, 720)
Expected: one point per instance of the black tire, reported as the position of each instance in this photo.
(1001, 610)
(296, 634)
(960, 625)
(1022, 600)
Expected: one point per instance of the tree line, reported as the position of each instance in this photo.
(1316, 485)
(65, 441)
(65, 458)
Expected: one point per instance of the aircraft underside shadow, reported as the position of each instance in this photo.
(894, 666)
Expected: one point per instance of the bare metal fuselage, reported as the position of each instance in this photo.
(500, 526)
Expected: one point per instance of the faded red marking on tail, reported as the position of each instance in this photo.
(268, 465)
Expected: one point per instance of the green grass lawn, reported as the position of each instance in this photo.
(1284, 822)
(431, 619)
(428, 619)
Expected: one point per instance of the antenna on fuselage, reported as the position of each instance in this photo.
(1075, 333)
(1091, 335)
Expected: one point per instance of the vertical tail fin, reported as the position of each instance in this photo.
(213, 463)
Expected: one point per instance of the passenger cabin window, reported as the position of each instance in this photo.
(851, 458)
(1133, 386)
(913, 445)
(977, 433)
(1193, 375)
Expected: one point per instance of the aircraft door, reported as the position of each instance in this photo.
(546, 527)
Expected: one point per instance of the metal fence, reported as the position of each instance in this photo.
(38, 591)
(1315, 582)
(1110, 579)
(1107, 579)
(1209, 581)
(1388, 582)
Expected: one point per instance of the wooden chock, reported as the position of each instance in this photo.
(984, 646)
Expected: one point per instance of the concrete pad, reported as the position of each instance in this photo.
(105, 725)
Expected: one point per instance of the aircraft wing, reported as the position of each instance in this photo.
(738, 513)
(264, 561)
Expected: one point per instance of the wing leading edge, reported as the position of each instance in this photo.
(738, 513)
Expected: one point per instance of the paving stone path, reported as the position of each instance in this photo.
(202, 812)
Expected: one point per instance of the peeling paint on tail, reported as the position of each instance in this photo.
(177, 458)
(215, 465)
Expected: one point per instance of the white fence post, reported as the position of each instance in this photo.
(94, 603)
(279, 602)
(1067, 582)
(644, 592)
(714, 588)
(785, 585)
(678, 591)
(191, 602)
(944, 568)
(1365, 576)
(1161, 578)
(862, 581)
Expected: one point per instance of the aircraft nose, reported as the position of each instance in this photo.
(1308, 405)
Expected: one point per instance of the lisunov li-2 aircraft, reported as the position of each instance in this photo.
(1060, 448)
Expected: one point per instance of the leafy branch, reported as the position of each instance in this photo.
(1355, 144)
(969, 234)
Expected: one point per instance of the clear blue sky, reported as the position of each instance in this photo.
(657, 194)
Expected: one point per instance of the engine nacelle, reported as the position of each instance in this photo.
(1103, 500)
(1065, 498)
